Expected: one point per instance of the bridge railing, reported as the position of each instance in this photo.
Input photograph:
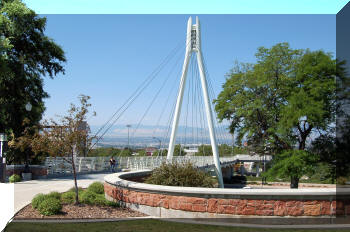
(59, 165)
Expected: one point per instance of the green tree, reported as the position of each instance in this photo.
(293, 164)
(279, 101)
(26, 55)
(225, 150)
(204, 150)
(104, 151)
(142, 152)
(125, 152)
(65, 138)
(178, 150)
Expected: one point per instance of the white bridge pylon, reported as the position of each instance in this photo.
(193, 45)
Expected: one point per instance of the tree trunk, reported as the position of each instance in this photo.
(294, 182)
(75, 182)
(302, 144)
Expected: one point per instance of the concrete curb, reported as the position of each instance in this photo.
(248, 225)
(82, 220)
(188, 221)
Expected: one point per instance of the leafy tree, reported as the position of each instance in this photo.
(278, 102)
(26, 54)
(325, 147)
(239, 150)
(65, 137)
(342, 146)
(163, 152)
(178, 151)
(125, 152)
(142, 152)
(293, 164)
(333, 149)
(204, 150)
(104, 151)
(225, 150)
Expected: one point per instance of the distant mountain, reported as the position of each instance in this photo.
(144, 135)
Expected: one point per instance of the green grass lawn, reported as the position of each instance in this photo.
(139, 225)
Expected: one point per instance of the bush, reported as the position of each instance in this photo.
(341, 180)
(14, 178)
(68, 197)
(88, 197)
(55, 195)
(180, 175)
(42, 197)
(38, 199)
(96, 187)
(50, 206)
(112, 203)
(80, 189)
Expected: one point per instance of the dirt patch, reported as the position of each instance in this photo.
(80, 212)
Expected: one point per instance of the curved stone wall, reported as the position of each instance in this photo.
(168, 201)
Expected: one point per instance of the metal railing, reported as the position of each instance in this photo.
(59, 165)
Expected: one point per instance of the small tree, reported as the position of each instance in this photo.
(293, 164)
(204, 150)
(66, 138)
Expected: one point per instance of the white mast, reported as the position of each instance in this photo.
(193, 44)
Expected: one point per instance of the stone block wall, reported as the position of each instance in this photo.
(234, 206)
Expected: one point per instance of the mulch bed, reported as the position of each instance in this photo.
(80, 212)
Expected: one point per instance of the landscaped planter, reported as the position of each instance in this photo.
(169, 201)
(37, 171)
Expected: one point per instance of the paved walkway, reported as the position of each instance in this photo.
(25, 191)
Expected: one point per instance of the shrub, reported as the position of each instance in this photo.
(100, 200)
(68, 197)
(38, 199)
(50, 206)
(42, 197)
(14, 178)
(96, 187)
(80, 189)
(88, 197)
(341, 180)
(112, 203)
(180, 175)
(55, 195)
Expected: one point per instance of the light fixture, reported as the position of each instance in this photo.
(28, 106)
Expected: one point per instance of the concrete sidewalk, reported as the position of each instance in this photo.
(25, 191)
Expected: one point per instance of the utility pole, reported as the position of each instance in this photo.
(128, 126)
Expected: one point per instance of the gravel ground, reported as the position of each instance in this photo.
(79, 212)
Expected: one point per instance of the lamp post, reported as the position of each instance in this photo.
(28, 108)
(160, 144)
(3, 138)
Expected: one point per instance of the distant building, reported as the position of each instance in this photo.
(191, 151)
(150, 150)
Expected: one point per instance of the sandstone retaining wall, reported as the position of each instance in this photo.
(254, 202)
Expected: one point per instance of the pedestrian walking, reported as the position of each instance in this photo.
(112, 163)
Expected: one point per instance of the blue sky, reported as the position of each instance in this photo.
(186, 6)
(110, 55)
